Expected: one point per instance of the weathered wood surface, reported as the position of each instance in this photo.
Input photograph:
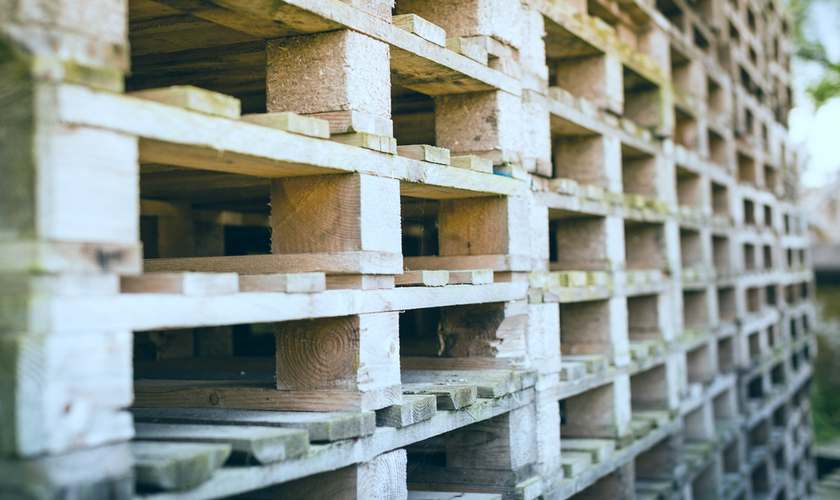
(292, 122)
(185, 283)
(450, 396)
(245, 395)
(489, 383)
(412, 409)
(284, 283)
(263, 444)
(420, 27)
(422, 278)
(333, 426)
(439, 495)
(194, 99)
(177, 466)
(353, 262)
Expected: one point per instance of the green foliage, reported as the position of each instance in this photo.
(809, 48)
(825, 402)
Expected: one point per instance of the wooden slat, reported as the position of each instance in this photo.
(321, 427)
(412, 409)
(422, 278)
(423, 152)
(449, 396)
(284, 283)
(184, 283)
(264, 444)
(367, 262)
(177, 466)
(291, 122)
(194, 99)
(420, 27)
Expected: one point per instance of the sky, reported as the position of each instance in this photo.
(818, 132)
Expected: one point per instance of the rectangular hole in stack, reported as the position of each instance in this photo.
(638, 172)
(770, 295)
(585, 328)
(780, 417)
(419, 226)
(643, 317)
(700, 366)
(649, 390)
(705, 486)
(670, 10)
(575, 66)
(767, 257)
(688, 188)
(642, 103)
(754, 343)
(720, 249)
(753, 300)
(685, 133)
(695, 309)
(717, 100)
(578, 243)
(644, 245)
(755, 389)
(777, 375)
(749, 257)
(580, 156)
(696, 425)
(760, 480)
(718, 151)
(413, 115)
(768, 216)
(720, 200)
(726, 355)
(726, 303)
(732, 459)
(771, 178)
(746, 169)
(759, 434)
(725, 405)
(749, 212)
(691, 248)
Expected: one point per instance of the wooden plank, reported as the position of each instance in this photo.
(489, 383)
(284, 283)
(359, 282)
(420, 27)
(476, 277)
(472, 162)
(292, 122)
(381, 143)
(498, 262)
(264, 444)
(184, 283)
(422, 278)
(347, 122)
(244, 395)
(177, 466)
(449, 396)
(322, 427)
(600, 449)
(423, 152)
(575, 463)
(467, 49)
(365, 262)
(412, 409)
(421, 363)
(194, 99)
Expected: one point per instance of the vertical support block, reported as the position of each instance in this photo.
(334, 71)
(543, 337)
(353, 354)
(603, 412)
(336, 213)
(597, 78)
(499, 19)
(50, 402)
(487, 124)
(484, 330)
(383, 478)
(484, 226)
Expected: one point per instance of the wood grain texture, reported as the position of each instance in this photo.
(194, 99)
(424, 152)
(422, 278)
(322, 427)
(420, 27)
(286, 283)
(364, 262)
(185, 283)
(348, 122)
(292, 122)
(263, 444)
(412, 409)
(450, 396)
(255, 396)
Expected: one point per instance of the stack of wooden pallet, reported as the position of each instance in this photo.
(425, 249)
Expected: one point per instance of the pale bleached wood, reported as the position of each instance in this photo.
(184, 283)
(264, 444)
(322, 427)
(575, 462)
(440, 495)
(422, 278)
(255, 396)
(420, 27)
(497, 444)
(412, 409)
(383, 478)
(292, 122)
(467, 49)
(380, 143)
(359, 282)
(347, 122)
(285, 283)
(426, 153)
(366, 262)
(450, 396)
(194, 99)
(600, 449)
(337, 213)
(477, 277)
(489, 383)
(177, 466)
(472, 162)
(497, 263)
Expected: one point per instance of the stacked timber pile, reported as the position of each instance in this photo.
(432, 249)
